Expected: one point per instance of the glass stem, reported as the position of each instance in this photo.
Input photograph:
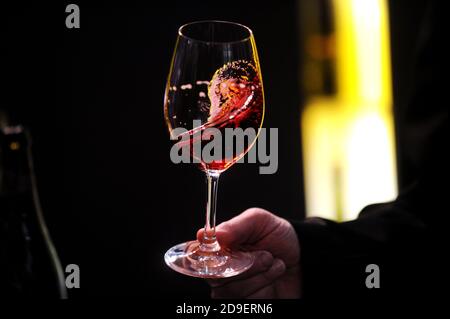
(209, 242)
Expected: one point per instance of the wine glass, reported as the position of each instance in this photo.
(214, 83)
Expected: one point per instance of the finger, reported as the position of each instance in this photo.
(263, 262)
(248, 227)
(267, 292)
(249, 286)
(245, 228)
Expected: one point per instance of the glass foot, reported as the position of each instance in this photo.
(188, 259)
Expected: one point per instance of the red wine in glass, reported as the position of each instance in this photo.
(214, 83)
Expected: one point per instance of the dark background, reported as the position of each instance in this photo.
(92, 97)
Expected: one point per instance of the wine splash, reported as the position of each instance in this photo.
(236, 101)
(235, 92)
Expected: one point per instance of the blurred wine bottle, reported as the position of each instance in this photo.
(29, 263)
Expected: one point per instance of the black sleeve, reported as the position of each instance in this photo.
(400, 236)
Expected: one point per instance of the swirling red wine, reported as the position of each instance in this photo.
(234, 100)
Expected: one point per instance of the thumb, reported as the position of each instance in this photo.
(247, 228)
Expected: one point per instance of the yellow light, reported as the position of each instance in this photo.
(348, 139)
(369, 164)
(14, 146)
(319, 156)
